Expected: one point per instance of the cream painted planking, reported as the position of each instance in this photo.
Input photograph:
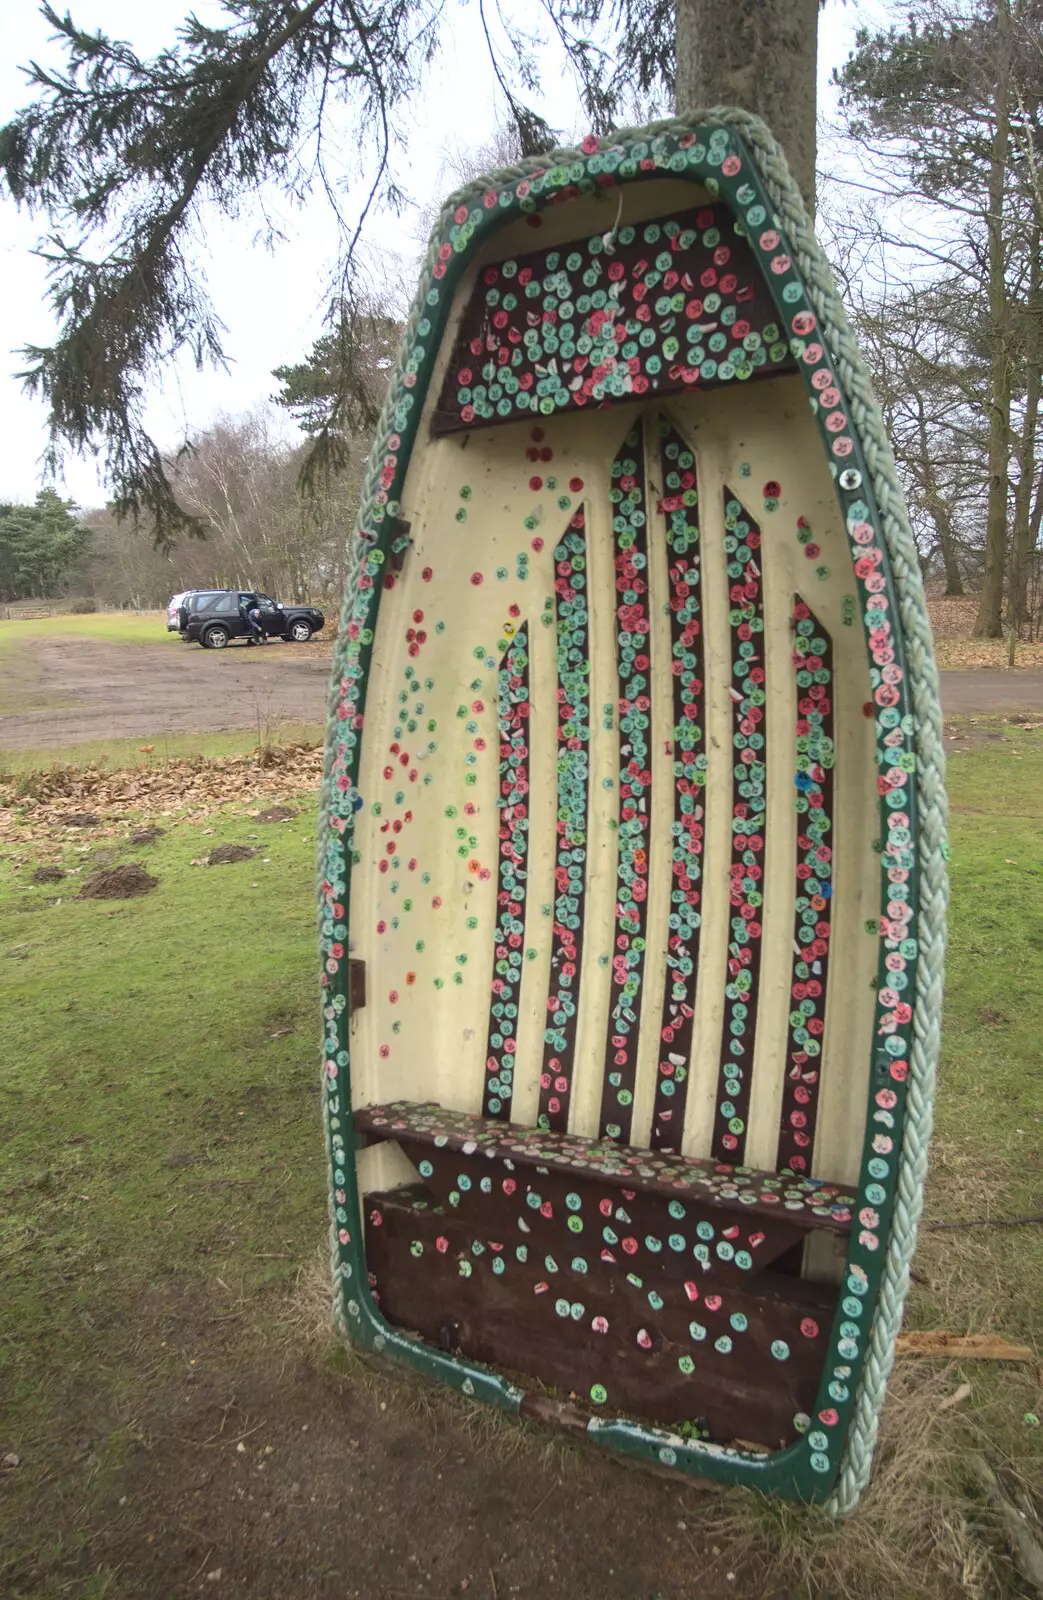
(439, 1051)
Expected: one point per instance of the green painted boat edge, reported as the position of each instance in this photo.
(831, 1462)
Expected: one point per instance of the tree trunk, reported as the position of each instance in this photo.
(760, 55)
(938, 507)
(1030, 572)
(1024, 540)
(947, 541)
(988, 623)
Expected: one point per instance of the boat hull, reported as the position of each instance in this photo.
(620, 876)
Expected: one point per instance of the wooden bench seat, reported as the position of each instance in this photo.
(803, 1203)
(662, 1285)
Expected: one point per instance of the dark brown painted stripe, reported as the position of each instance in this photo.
(508, 953)
(634, 725)
(749, 794)
(813, 666)
(570, 869)
(679, 507)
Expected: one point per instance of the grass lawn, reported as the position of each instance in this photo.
(159, 1080)
(118, 627)
(162, 1183)
(157, 749)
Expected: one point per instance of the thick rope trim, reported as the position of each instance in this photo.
(923, 685)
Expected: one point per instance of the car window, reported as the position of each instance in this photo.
(204, 600)
(265, 604)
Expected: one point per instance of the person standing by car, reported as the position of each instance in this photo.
(255, 616)
(251, 615)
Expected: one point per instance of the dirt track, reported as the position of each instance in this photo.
(976, 693)
(61, 691)
(74, 689)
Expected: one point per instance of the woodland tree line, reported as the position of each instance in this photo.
(937, 242)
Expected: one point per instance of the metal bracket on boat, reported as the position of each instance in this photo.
(400, 543)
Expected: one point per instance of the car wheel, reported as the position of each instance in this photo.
(300, 631)
(215, 638)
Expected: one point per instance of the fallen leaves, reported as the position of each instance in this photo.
(952, 622)
(34, 805)
(992, 655)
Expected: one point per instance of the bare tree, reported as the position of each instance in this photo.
(945, 111)
(929, 384)
(261, 530)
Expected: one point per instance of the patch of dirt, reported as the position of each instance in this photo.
(98, 689)
(276, 814)
(285, 1482)
(118, 883)
(224, 853)
(969, 736)
(80, 819)
(977, 730)
(147, 835)
(47, 875)
(989, 1017)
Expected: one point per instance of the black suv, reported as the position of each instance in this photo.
(217, 616)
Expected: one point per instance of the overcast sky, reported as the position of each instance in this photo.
(271, 302)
